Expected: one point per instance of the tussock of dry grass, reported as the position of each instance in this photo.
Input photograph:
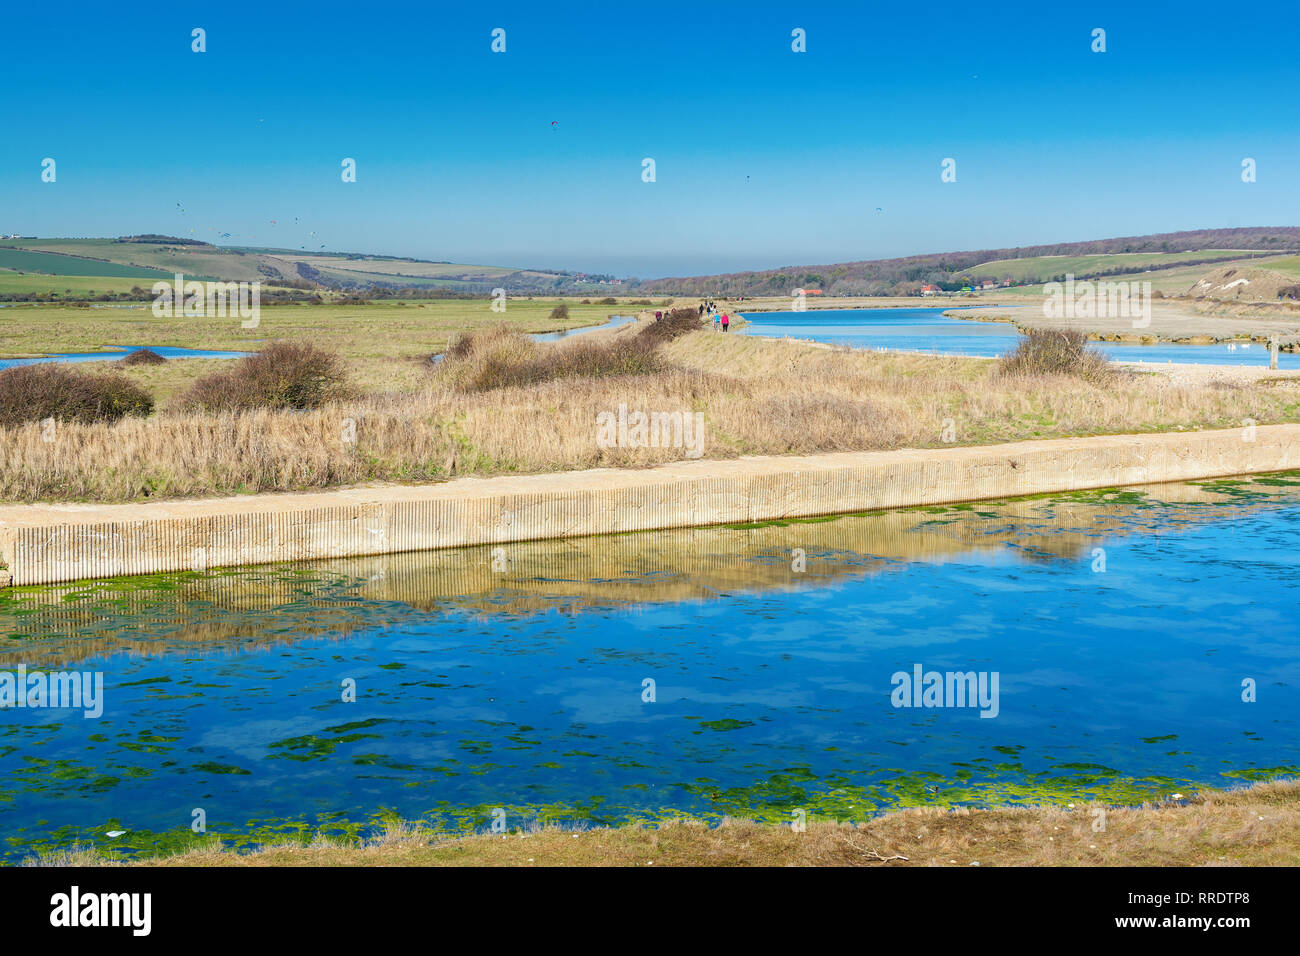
(758, 397)
(1259, 826)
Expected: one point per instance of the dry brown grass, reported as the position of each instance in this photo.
(758, 397)
(1259, 826)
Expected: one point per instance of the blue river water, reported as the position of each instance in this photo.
(930, 331)
(614, 322)
(166, 351)
(1124, 627)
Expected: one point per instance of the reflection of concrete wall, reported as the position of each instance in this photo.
(45, 543)
(252, 608)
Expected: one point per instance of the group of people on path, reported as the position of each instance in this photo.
(720, 319)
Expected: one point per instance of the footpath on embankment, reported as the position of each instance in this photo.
(45, 543)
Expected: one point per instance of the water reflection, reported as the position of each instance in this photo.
(514, 678)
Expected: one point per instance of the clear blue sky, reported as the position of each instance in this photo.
(764, 157)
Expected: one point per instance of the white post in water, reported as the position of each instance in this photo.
(1272, 351)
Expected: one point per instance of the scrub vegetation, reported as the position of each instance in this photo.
(500, 403)
(34, 393)
(1057, 352)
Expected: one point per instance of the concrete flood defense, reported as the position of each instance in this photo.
(66, 542)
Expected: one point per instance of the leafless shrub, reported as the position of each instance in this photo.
(30, 393)
(1056, 352)
(288, 375)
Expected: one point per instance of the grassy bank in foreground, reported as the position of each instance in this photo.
(1258, 826)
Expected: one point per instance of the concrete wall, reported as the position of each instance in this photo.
(46, 543)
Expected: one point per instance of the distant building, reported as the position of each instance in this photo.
(988, 284)
(930, 290)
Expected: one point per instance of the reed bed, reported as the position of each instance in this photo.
(757, 398)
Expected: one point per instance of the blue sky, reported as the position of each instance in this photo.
(764, 157)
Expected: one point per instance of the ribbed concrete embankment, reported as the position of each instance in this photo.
(45, 543)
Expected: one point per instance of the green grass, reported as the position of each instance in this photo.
(1043, 268)
(1287, 265)
(61, 265)
(1172, 279)
(15, 283)
(195, 262)
(246, 262)
(385, 345)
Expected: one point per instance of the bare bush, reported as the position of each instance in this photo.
(31, 393)
(287, 375)
(1056, 352)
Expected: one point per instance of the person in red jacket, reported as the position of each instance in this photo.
(726, 321)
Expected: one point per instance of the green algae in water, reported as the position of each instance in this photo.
(526, 696)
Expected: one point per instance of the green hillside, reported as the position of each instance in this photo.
(133, 259)
(20, 260)
(1045, 268)
(35, 284)
(159, 257)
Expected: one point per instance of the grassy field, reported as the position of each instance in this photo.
(1044, 268)
(196, 262)
(386, 345)
(246, 262)
(65, 265)
(1171, 279)
(1258, 826)
(399, 267)
(414, 423)
(1287, 265)
(37, 284)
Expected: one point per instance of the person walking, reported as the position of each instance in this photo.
(726, 321)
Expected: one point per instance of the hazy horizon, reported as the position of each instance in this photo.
(764, 157)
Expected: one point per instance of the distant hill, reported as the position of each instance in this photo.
(55, 269)
(1281, 280)
(1029, 264)
(32, 264)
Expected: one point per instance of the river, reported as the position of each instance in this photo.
(744, 671)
